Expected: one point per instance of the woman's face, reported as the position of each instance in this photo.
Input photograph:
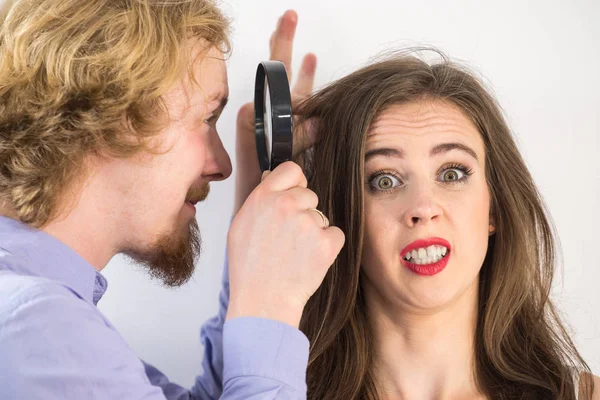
(427, 207)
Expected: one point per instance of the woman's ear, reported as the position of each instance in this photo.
(492, 227)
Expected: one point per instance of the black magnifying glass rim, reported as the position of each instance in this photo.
(281, 114)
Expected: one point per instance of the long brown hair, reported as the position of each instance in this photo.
(81, 77)
(522, 349)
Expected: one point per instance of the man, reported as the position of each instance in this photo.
(107, 140)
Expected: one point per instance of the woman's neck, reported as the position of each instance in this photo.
(425, 354)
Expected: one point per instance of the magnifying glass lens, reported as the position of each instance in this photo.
(272, 115)
(268, 122)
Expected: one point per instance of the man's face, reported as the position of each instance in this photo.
(158, 191)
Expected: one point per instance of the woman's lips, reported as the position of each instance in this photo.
(432, 254)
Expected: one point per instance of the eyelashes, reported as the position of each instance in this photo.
(212, 119)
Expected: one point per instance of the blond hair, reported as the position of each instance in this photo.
(75, 76)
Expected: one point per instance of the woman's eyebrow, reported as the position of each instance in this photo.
(384, 152)
(446, 147)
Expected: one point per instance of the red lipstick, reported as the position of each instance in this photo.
(426, 269)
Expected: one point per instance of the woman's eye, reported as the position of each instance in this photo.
(453, 175)
(384, 182)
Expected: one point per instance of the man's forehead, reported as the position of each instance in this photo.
(209, 75)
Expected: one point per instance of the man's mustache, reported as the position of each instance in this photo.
(198, 194)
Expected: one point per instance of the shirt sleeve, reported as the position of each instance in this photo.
(245, 358)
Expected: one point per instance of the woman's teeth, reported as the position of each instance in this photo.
(429, 255)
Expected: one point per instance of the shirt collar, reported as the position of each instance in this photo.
(47, 257)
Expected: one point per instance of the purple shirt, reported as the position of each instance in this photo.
(56, 344)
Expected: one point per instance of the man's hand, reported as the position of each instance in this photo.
(279, 251)
(248, 171)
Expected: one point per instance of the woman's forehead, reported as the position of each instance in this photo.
(423, 121)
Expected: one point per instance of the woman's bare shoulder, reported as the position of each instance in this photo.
(596, 393)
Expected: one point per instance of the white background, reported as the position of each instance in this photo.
(542, 59)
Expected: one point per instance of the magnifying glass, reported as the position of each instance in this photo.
(272, 115)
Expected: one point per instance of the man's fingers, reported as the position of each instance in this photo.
(285, 177)
(336, 239)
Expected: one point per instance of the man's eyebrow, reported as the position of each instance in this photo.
(223, 100)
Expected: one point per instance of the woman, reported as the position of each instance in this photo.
(442, 289)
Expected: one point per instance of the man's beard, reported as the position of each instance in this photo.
(172, 257)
